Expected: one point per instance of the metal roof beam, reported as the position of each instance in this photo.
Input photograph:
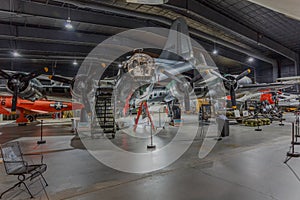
(193, 6)
(14, 32)
(51, 11)
(45, 47)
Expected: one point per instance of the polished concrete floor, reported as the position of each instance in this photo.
(246, 165)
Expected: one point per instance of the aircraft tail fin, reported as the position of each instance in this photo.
(178, 42)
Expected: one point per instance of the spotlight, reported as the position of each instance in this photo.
(215, 52)
(16, 54)
(68, 24)
(75, 62)
(250, 59)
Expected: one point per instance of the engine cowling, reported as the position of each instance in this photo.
(178, 90)
(26, 89)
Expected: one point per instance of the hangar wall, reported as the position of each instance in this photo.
(287, 68)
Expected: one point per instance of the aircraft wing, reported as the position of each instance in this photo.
(32, 110)
(265, 86)
(38, 111)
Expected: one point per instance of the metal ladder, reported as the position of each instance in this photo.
(104, 108)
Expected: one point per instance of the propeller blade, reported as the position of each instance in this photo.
(187, 104)
(232, 96)
(61, 79)
(243, 74)
(35, 74)
(171, 76)
(14, 100)
(218, 75)
(4, 74)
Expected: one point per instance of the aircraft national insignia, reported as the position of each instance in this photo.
(58, 105)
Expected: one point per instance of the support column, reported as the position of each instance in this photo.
(279, 68)
(297, 65)
(275, 70)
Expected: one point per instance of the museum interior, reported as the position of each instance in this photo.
(150, 99)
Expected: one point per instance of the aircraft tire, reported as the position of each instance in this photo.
(22, 124)
(30, 118)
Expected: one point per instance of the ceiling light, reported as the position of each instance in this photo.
(68, 24)
(16, 53)
(215, 52)
(75, 62)
(120, 65)
(250, 59)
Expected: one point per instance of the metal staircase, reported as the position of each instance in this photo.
(104, 108)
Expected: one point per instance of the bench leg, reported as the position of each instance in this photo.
(17, 184)
(44, 179)
(27, 190)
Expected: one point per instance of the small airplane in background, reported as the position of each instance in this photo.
(26, 107)
(26, 86)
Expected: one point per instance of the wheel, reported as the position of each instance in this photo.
(22, 124)
(30, 118)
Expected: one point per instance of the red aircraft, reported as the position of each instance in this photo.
(26, 107)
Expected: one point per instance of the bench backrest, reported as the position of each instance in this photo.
(12, 156)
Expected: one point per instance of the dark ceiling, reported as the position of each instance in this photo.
(237, 27)
(274, 25)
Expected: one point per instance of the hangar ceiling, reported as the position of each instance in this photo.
(238, 28)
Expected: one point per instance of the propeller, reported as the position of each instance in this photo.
(4, 74)
(15, 98)
(182, 83)
(243, 74)
(231, 84)
(19, 82)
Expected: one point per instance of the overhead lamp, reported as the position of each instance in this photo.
(15, 53)
(250, 59)
(68, 24)
(75, 62)
(215, 52)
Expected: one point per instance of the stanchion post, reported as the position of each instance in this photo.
(281, 124)
(159, 118)
(258, 129)
(151, 145)
(41, 141)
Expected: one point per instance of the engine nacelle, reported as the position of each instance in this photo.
(31, 93)
(26, 89)
(178, 89)
(83, 84)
